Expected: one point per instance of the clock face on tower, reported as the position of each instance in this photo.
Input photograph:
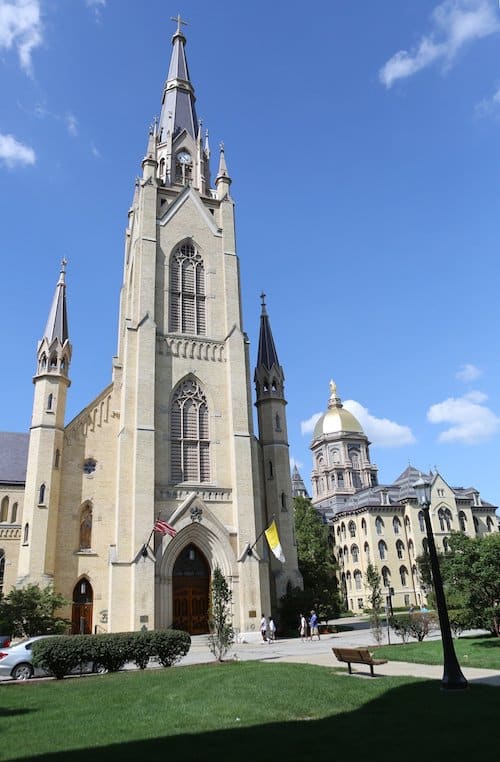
(183, 157)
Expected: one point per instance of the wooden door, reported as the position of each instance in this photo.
(190, 588)
(81, 613)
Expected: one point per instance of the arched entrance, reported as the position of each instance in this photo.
(81, 614)
(190, 588)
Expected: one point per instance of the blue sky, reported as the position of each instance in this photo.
(363, 140)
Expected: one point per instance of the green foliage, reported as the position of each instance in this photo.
(417, 625)
(30, 610)
(169, 646)
(316, 564)
(374, 584)
(219, 616)
(61, 655)
(460, 620)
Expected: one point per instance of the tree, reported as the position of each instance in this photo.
(30, 610)
(219, 616)
(316, 564)
(374, 584)
(471, 568)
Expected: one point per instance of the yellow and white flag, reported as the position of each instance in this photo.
(274, 542)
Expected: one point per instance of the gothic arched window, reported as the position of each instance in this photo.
(386, 576)
(41, 494)
(382, 550)
(357, 579)
(187, 291)
(421, 521)
(4, 509)
(26, 534)
(379, 525)
(355, 554)
(352, 529)
(400, 548)
(396, 525)
(403, 573)
(13, 515)
(85, 541)
(190, 451)
(462, 521)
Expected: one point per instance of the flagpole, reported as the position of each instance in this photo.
(251, 547)
(146, 544)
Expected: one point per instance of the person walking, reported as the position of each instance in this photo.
(314, 625)
(303, 628)
(263, 628)
(272, 630)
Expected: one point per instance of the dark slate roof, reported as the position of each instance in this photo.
(13, 457)
(266, 355)
(178, 111)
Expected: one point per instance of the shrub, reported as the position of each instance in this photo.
(169, 646)
(416, 625)
(60, 655)
(460, 620)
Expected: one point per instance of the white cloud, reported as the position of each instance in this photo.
(20, 28)
(454, 23)
(307, 427)
(468, 372)
(489, 106)
(472, 422)
(71, 124)
(95, 151)
(12, 152)
(96, 6)
(381, 431)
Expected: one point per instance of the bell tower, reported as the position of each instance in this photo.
(273, 436)
(43, 474)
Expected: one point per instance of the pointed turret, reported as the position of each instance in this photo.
(222, 181)
(267, 357)
(43, 472)
(178, 110)
(298, 486)
(57, 323)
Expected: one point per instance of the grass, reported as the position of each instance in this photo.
(246, 711)
(471, 652)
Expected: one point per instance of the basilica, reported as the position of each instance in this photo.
(127, 509)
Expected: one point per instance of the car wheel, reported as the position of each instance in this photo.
(22, 671)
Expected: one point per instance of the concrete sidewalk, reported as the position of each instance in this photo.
(320, 653)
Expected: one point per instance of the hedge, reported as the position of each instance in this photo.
(62, 655)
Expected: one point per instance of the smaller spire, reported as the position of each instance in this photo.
(222, 173)
(207, 145)
(266, 355)
(57, 322)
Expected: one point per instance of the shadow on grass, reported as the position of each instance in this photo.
(411, 722)
(13, 713)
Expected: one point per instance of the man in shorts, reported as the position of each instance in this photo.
(314, 625)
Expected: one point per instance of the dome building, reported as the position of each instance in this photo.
(341, 458)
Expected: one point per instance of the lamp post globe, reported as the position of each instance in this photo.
(453, 679)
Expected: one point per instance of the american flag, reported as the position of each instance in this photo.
(163, 528)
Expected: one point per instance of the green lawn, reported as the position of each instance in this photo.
(247, 712)
(471, 652)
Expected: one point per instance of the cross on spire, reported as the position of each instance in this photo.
(263, 299)
(179, 22)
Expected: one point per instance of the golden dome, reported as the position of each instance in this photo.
(336, 418)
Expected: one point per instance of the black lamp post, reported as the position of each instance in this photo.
(453, 678)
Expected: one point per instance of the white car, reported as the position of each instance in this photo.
(17, 661)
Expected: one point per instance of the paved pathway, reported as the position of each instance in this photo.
(320, 653)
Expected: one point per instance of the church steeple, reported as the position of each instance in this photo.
(57, 323)
(178, 110)
(182, 157)
(267, 357)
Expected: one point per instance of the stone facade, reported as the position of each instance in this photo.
(171, 437)
(382, 524)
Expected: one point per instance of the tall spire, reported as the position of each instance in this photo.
(57, 323)
(178, 111)
(267, 355)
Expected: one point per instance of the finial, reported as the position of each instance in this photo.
(263, 299)
(62, 270)
(221, 146)
(179, 22)
(334, 400)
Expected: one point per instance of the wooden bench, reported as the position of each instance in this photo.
(357, 656)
